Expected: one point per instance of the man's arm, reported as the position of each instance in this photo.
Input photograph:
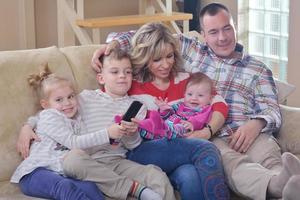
(267, 117)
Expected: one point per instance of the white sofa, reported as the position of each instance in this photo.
(18, 102)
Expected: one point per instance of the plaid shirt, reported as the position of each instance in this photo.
(245, 83)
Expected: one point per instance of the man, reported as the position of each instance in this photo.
(251, 156)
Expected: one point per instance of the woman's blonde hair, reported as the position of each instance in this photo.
(45, 81)
(148, 43)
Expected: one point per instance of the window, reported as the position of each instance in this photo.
(263, 30)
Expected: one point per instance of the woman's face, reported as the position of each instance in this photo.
(161, 66)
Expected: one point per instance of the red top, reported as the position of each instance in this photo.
(174, 92)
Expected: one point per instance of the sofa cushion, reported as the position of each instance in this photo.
(284, 90)
(79, 58)
(289, 134)
(18, 101)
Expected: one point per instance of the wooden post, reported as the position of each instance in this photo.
(27, 24)
(66, 36)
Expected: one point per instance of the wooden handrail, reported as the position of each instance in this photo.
(131, 19)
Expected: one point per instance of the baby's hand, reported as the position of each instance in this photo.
(162, 104)
(115, 131)
(187, 125)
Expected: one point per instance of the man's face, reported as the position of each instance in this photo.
(220, 34)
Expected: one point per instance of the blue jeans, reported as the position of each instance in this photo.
(194, 166)
(44, 183)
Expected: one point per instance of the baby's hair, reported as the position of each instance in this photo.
(115, 54)
(199, 77)
(43, 82)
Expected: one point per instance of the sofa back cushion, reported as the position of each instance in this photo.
(79, 58)
(18, 101)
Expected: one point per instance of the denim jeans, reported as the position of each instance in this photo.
(193, 165)
(44, 183)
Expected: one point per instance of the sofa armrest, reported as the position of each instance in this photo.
(289, 134)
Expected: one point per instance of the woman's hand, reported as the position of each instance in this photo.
(104, 49)
(203, 134)
(26, 136)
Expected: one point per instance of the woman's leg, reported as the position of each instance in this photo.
(186, 180)
(171, 154)
(55, 186)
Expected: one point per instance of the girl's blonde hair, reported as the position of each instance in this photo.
(45, 81)
(148, 43)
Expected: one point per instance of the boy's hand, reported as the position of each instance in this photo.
(162, 103)
(26, 136)
(116, 131)
(130, 127)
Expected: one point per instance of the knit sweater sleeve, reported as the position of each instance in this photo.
(55, 125)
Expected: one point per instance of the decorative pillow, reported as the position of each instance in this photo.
(284, 90)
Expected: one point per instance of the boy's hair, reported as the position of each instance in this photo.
(199, 77)
(115, 54)
(148, 43)
(212, 9)
(45, 81)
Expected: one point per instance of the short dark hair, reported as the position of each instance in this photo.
(211, 9)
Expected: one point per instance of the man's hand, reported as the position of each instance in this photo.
(26, 135)
(104, 49)
(203, 134)
(246, 134)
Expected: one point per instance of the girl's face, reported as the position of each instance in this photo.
(161, 66)
(197, 95)
(62, 98)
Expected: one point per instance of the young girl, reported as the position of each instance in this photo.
(41, 174)
(182, 117)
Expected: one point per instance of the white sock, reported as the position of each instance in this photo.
(148, 194)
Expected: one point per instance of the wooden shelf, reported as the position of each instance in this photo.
(131, 19)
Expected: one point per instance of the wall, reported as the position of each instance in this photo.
(293, 54)
(44, 30)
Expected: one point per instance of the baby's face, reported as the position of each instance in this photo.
(197, 95)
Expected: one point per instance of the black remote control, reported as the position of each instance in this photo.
(132, 111)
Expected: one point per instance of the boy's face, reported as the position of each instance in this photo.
(62, 98)
(116, 76)
(197, 95)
